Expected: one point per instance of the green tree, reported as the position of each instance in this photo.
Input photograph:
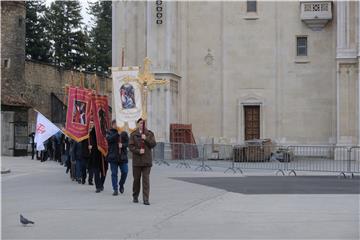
(100, 36)
(37, 40)
(67, 34)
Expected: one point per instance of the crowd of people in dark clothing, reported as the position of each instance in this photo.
(85, 163)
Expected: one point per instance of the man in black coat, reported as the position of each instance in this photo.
(32, 142)
(117, 156)
(99, 167)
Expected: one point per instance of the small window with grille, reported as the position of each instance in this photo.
(6, 63)
(301, 46)
(21, 20)
(251, 6)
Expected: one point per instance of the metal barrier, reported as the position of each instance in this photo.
(354, 160)
(269, 157)
(282, 159)
(179, 153)
(318, 159)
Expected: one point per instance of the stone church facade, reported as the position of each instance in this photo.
(288, 71)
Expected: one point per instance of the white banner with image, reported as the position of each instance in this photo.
(127, 97)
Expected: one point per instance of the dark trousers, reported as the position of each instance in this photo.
(43, 156)
(144, 173)
(80, 169)
(100, 174)
(91, 174)
(32, 151)
(73, 170)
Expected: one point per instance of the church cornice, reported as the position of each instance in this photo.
(162, 73)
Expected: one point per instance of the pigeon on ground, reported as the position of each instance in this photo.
(25, 221)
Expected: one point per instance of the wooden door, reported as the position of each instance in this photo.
(252, 122)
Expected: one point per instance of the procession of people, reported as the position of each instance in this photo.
(85, 163)
(88, 145)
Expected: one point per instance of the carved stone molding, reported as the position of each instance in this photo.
(209, 58)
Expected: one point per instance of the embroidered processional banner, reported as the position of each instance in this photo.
(127, 97)
(78, 113)
(100, 116)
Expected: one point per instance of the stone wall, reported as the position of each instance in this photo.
(44, 79)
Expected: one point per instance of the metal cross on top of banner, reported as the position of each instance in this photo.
(72, 83)
(148, 82)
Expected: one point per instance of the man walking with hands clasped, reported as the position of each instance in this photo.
(141, 143)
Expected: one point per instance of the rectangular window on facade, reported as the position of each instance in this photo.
(301, 46)
(20, 21)
(6, 63)
(251, 6)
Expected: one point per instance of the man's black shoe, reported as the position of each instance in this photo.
(98, 190)
(90, 183)
(135, 200)
(83, 181)
(79, 181)
(121, 189)
(146, 203)
(115, 193)
(102, 189)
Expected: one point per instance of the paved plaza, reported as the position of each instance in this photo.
(184, 204)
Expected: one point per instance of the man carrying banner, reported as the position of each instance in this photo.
(141, 143)
(99, 167)
(97, 140)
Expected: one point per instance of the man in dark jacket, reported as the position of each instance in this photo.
(123, 161)
(141, 143)
(99, 167)
(66, 150)
(32, 142)
(117, 156)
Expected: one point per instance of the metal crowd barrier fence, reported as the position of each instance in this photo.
(262, 157)
(354, 160)
(181, 154)
(282, 159)
(318, 159)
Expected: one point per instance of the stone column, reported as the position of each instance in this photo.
(162, 48)
(358, 71)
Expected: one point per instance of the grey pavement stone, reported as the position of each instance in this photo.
(62, 209)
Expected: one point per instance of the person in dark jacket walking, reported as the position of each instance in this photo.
(67, 162)
(97, 162)
(117, 157)
(72, 160)
(124, 169)
(141, 143)
(32, 142)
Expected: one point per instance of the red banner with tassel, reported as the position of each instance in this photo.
(78, 113)
(100, 111)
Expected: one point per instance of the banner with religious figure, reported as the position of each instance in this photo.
(100, 113)
(127, 97)
(78, 113)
